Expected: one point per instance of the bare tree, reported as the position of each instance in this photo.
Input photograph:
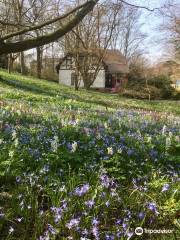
(75, 16)
(128, 36)
(171, 25)
(88, 42)
(9, 43)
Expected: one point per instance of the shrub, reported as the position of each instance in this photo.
(157, 87)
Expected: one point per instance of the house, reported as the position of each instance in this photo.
(112, 72)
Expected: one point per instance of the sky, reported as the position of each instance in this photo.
(155, 50)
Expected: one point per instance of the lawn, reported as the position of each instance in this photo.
(85, 165)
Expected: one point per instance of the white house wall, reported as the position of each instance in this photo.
(65, 78)
(100, 80)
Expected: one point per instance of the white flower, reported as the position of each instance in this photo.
(168, 142)
(110, 150)
(13, 134)
(119, 150)
(164, 129)
(74, 146)
(1, 141)
(98, 136)
(11, 230)
(170, 134)
(177, 139)
(54, 144)
(19, 112)
(149, 139)
(11, 154)
(16, 142)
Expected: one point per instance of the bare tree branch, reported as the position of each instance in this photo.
(6, 48)
(39, 26)
(138, 6)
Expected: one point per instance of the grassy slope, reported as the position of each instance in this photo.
(39, 111)
(15, 87)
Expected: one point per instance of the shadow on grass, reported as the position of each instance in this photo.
(26, 87)
(38, 90)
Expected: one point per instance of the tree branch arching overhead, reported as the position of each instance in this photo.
(13, 47)
(74, 17)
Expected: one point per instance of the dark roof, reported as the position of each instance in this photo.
(113, 59)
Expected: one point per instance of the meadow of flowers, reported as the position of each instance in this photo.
(78, 168)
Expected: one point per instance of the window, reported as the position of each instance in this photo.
(73, 78)
(68, 62)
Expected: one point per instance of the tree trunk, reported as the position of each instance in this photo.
(10, 63)
(23, 66)
(39, 61)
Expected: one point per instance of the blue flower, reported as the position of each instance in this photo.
(119, 221)
(109, 237)
(95, 221)
(80, 191)
(18, 179)
(73, 223)
(90, 203)
(51, 229)
(152, 206)
(95, 232)
(141, 215)
(165, 187)
(129, 234)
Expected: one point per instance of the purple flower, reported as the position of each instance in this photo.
(95, 221)
(2, 215)
(95, 232)
(45, 236)
(18, 179)
(130, 152)
(152, 206)
(51, 229)
(90, 203)
(105, 181)
(141, 215)
(129, 234)
(119, 234)
(73, 223)
(119, 221)
(80, 191)
(109, 237)
(125, 226)
(165, 187)
(85, 232)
